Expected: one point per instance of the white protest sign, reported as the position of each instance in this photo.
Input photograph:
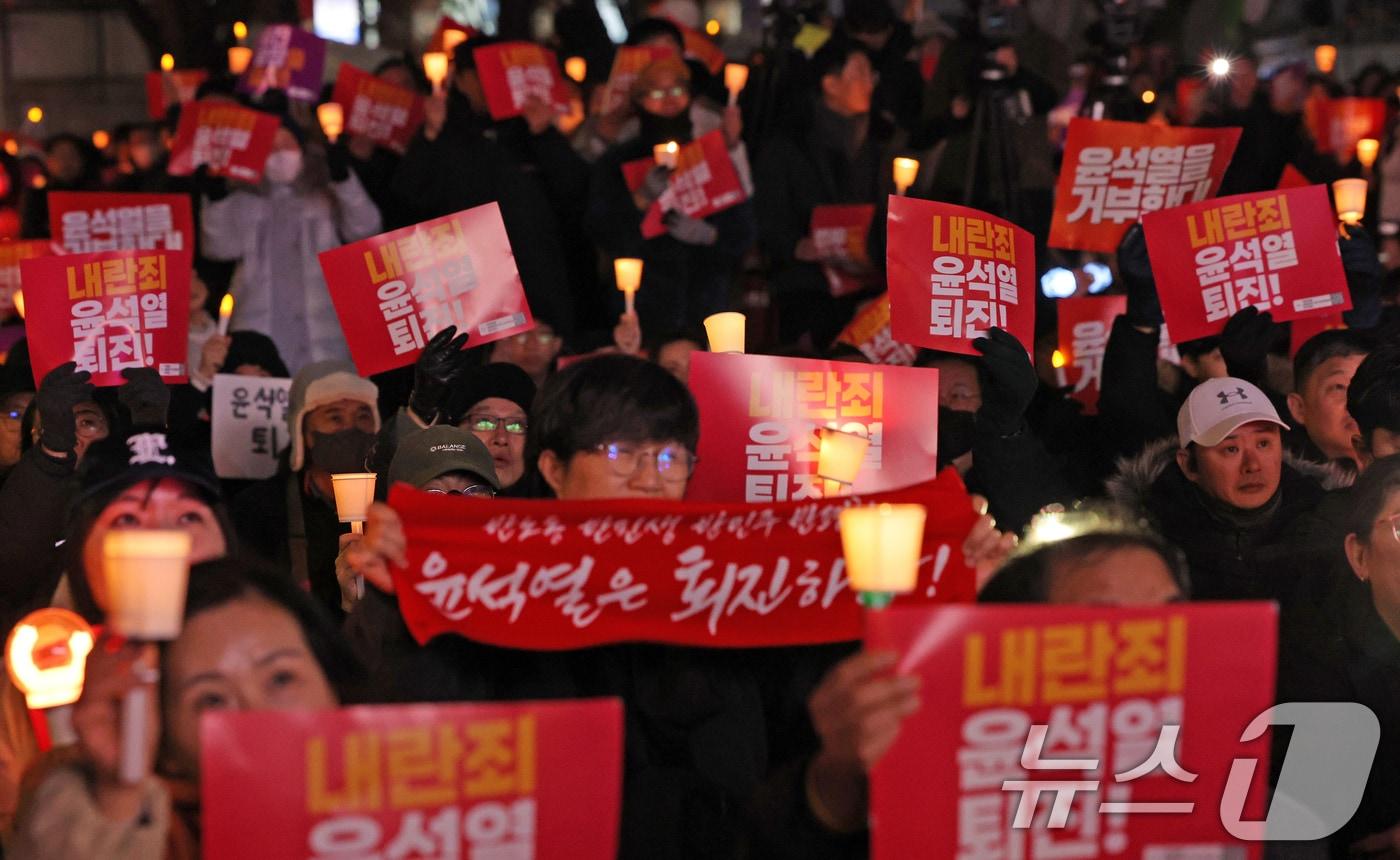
(249, 425)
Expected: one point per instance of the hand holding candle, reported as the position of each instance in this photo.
(354, 493)
(332, 118)
(628, 272)
(666, 154)
(882, 545)
(225, 313)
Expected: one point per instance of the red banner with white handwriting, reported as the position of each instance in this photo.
(704, 182)
(234, 141)
(869, 332)
(84, 222)
(524, 779)
(1112, 685)
(1114, 172)
(760, 415)
(11, 253)
(561, 575)
(841, 234)
(394, 291)
(1274, 250)
(628, 63)
(955, 272)
(512, 73)
(376, 109)
(175, 87)
(109, 311)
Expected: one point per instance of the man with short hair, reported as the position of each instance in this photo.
(1373, 401)
(1322, 371)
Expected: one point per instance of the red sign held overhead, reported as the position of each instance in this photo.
(83, 222)
(1274, 250)
(841, 235)
(704, 182)
(527, 779)
(109, 311)
(376, 109)
(955, 272)
(394, 291)
(232, 140)
(1114, 172)
(1065, 732)
(512, 73)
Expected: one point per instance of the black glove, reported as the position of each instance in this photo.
(1011, 382)
(1245, 342)
(62, 389)
(213, 188)
(1134, 267)
(1365, 278)
(441, 365)
(338, 160)
(145, 396)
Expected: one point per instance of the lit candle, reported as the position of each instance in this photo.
(101, 139)
(354, 491)
(47, 658)
(628, 272)
(35, 114)
(225, 313)
(725, 332)
(451, 39)
(1350, 197)
(239, 57)
(12, 146)
(839, 458)
(332, 118)
(240, 31)
(736, 75)
(1325, 56)
(1367, 148)
(882, 545)
(19, 303)
(167, 62)
(576, 68)
(905, 170)
(666, 153)
(435, 67)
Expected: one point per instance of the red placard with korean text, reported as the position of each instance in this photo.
(561, 575)
(376, 109)
(83, 222)
(394, 291)
(700, 47)
(11, 253)
(1274, 250)
(955, 272)
(703, 183)
(759, 416)
(628, 63)
(1114, 172)
(514, 72)
(232, 140)
(1083, 327)
(523, 779)
(108, 311)
(869, 332)
(174, 87)
(841, 234)
(1337, 124)
(1113, 685)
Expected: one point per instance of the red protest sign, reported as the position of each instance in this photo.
(628, 63)
(1113, 172)
(1337, 124)
(1274, 250)
(699, 47)
(175, 87)
(1301, 331)
(1292, 177)
(436, 43)
(108, 311)
(526, 779)
(955, 272)
(396, 290)
(11, 253)
(376, 109)
(759, 416)
(563, 575)
(232, 140)
(1084, 325)
(840, 234)
(512, 73)
(1112, 685)
(84, 222)
(869, 332)
(703, 183)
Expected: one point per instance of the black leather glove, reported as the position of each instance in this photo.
(1011, 382)
(62, 389)
(441, 365)
(145, 396)
(1135, 269)
(338, 160)
(1365, 278)
(1245, 342)
(213, 188)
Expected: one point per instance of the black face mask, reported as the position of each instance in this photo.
(341, 452)
(955, 432)
(658, 129)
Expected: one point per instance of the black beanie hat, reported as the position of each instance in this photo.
(502, 380)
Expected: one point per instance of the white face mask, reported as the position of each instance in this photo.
(283, 166)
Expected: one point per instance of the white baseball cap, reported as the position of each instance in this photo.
(1218, 407)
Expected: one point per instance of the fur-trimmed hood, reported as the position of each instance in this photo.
(1132, 482)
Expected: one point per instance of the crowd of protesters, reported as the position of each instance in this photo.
(1233, 475)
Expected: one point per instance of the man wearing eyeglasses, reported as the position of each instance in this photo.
(493, 402)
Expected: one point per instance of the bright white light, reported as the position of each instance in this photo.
(1058, 283)
(337, 20)
(1102, 275)
(1219, 67)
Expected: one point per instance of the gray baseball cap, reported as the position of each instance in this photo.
(438, 450)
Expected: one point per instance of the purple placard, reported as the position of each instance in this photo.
(286, 58)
